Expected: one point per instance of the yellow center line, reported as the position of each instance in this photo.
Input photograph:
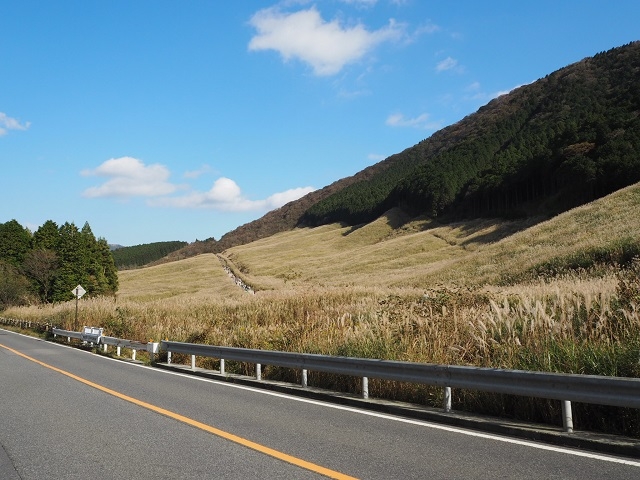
(194, 423)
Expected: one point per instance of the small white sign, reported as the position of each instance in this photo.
(78, 292)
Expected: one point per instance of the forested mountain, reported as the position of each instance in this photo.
(564, 140)
(139, 255)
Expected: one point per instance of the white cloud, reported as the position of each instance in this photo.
(282, 198)
(7, 123)
(130, 177)
(504, 92)
(422, 121)
(226, 195)
(428, 28)
(474, 92)
(446, 64)
(326, 46)
(473, 87)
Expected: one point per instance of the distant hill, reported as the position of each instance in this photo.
(562, 141)
(140, 255)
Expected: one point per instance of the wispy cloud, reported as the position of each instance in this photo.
(474, 92)
(203, 170)
(422, 121)
(7, 123)
(327, 46)
(376, 157)
(449, 64)
(504, 92)
(362, 3)
(225, 195)
(130, 177)
(428, 28)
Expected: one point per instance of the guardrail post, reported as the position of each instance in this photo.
(304, 378)
(118, 350)
(68, 339)
(193, 362)
(105, 348)
(168, 358)
(133, 354)
(567, 417)
(447, 399)
(222, 366)
(258, 371)
(365, 387)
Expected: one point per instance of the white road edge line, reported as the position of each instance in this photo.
(471, 433)
(423, 423)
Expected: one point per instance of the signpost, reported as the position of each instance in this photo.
(78, 292)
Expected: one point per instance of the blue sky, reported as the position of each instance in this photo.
(159, 120)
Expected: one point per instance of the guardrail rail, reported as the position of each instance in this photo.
(566, 388)
(95, 337)
(614, 391)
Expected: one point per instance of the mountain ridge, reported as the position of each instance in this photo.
(559, 142)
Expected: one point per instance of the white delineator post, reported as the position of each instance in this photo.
(567, 416)
(447, 399)
(153, 348)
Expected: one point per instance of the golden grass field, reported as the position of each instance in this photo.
(422, 292)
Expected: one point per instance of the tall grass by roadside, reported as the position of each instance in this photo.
(572, 325)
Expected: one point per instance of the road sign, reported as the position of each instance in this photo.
(78, 292)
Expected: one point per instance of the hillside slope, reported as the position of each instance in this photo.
(559, 142)
(562, 141)
(424, 253)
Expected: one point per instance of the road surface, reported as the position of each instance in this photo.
(66, 414)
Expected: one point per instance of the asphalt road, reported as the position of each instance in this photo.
(136, 422)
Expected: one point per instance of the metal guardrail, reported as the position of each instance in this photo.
(66, 333)
(616, 391)
(133, 345)
(99, 339)
(567, 388)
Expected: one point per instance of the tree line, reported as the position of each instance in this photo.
(46, 265)
(140, 255)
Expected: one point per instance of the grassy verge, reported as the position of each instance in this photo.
(572, 326)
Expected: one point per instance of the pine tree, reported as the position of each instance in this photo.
(47, 236)
(72, 263)
(15, 242)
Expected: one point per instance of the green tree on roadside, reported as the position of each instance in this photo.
(51, 262)
(15, 242)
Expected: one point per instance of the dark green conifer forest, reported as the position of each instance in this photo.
(140, 255)
(48, 264)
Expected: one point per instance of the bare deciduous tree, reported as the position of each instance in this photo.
(41, 265)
